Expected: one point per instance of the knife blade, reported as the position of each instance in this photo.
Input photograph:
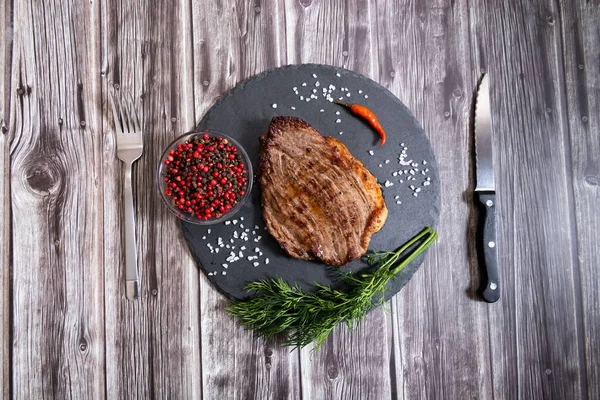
(486, 193)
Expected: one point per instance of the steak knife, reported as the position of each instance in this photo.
(486, 193)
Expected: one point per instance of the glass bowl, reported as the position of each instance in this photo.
(184, 215)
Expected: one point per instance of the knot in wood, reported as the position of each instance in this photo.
(43, 175)
(305, 3)
(332, 371)
(592, 180)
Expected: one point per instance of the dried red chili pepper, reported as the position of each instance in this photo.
(366, 114)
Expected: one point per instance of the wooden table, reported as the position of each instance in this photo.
(67, 329)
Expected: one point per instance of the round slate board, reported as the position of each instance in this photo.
(244, 114)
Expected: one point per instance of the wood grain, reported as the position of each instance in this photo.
(6, 41)
(440, 347)
(581, 44)
(58, 312)
(152, 344)
(519, 48)
(67, 330)
(351, 365)
(233, 41)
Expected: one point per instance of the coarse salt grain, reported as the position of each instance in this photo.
(341, 133)
(366, 97)
(371, 152)
(338, 75)
(380, 165)
(426, 183)
(398, 202)
(315, 76)
(256, 264)
(266, 260)
(274, 105)
(347, 94)
(424, 162)
(208, 231)
(256, 250)
(388, 184)
(225, 265)
(428, 179)
(235, 221)
(387, 161)
(217, 250)
(203, 237)
(321, 110)
(417, 190)
(415, 194)
(301, 98)
(224, 272)
(295, 88)
(303, 83)
(293, 108)
(360, 92)
(317, 83)
(337, 121)
(395, 173)
(240, 254)
(227, 222)
(337, 113)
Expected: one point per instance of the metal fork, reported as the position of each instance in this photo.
(130, 145)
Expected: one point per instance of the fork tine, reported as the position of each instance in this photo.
(116, 115)
(127, 107)
(135, 120)
(124, 117)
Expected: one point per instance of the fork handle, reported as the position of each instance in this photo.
(132, 286)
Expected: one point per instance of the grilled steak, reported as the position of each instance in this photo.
(318, 201)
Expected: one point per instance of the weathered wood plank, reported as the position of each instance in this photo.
(56, 201)
(351, 365)
(152, 344)
(580, 24)
(6, 40)
(534, 335)
(233, 41)
(440, 332)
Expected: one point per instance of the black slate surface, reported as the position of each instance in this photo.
(244, 113)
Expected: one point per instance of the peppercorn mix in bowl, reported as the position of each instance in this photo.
(204, 177)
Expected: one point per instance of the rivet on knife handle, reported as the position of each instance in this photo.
(487, 247)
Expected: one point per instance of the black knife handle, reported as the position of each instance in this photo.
(488, 247)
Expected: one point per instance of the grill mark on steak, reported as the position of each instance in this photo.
(318, 201)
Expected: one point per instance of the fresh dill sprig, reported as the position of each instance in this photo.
(306, 317)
